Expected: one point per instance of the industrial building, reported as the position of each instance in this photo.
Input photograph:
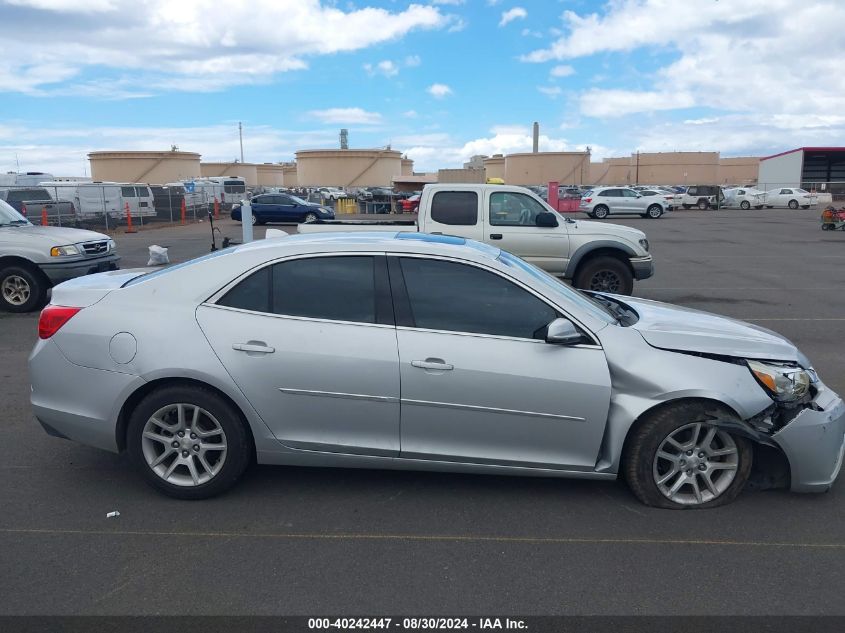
(812, 168)
(151, 167)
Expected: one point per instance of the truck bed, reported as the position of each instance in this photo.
(325, 226)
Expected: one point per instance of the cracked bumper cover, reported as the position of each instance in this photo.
(814, 444)
(643, 267)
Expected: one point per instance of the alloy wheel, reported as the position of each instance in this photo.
(605, 281)
(16, 290)
(695, 464)
(184, 444)
(311, 217)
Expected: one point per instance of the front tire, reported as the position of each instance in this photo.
(703, 205)
(745, 205)
(22, 289)
(310, 217)
(793, 204)
(677, 459)
(600, 212)
(605, 274)
(654, 211)
(188, 442)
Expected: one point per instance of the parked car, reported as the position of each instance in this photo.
(35, 258)
(332, 193)
(791, 197)
(281, 207)
(412, 204)
(592, 255)
(31, 201)
(745, 198)
(604, 201)
(310, 350)
(665, 194)
(704, 197)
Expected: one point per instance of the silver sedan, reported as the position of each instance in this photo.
(416, 351)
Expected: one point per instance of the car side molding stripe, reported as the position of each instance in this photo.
(338, 394)
(471, 407)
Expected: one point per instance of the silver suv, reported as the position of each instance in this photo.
(602, 201)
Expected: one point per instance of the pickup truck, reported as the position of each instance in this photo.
(35, 258)
(30, 201)
(592, 255)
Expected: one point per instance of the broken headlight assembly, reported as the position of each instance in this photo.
(784, 383)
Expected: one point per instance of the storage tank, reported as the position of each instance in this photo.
(495, 166)
(270, 175)
(407, 167)
(289, 175)
(247, 171)
(150, 167)
(347, 168)
(568, 168)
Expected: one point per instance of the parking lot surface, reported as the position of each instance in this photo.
(326, 541)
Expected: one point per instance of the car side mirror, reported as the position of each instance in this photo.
(546, 220)
(639, 195)
(563, 332)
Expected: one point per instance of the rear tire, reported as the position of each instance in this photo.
(793, 204)
(652, 478)
(604, 274)
(22, 289)
(218, 422)
(601, 212)
(703, 205)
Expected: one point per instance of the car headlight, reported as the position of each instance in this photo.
(783, 382)
(644, 244)
(64, 251)
(111, 245)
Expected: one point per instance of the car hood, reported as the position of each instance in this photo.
(602, 228)
(682, 329)
(56, 235)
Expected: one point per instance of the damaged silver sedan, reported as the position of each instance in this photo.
(414, 351)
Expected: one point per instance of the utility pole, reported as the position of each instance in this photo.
(241, 136)
(637, 178)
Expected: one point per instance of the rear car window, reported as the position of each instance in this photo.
(455, 208)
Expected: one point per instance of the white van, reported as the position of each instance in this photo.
(92, 199)
(28, 179)
(226, 189)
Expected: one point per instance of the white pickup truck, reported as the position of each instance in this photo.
(593, 255)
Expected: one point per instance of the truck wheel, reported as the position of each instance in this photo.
(600, 212)
(745, 205)
(703, 205)
(604, 274)
(22, 289)
(676, 459)
(793, 204)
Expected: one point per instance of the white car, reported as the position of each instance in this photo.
(604, 201)
(791, 197)
(745, 197)
(332, 193)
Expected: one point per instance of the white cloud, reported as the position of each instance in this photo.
(451, 2)
(563, 70)
(385, 67)
(616, 103)
(412, 61)
(439, 91)
(190, 40)
(550, 91)
(530, 33)
(410, 114)
(456, 24)
(517, 13)
(346, 115)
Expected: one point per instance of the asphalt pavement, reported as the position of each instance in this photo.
(328, 541)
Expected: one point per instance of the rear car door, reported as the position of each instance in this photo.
(479, 382)
(310, 341)
(511, 225)
(455, 213)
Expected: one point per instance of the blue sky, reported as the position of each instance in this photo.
(439, 80)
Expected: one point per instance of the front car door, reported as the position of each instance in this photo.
(512, 226)
(311, 343)
(633, 201)
(479, 383)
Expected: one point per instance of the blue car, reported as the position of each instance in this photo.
(283, 207)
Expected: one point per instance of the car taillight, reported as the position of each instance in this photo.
(588, 200)
(53, 318)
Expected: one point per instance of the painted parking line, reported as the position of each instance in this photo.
(536, 540)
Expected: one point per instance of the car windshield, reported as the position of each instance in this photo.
(582, 301)
(10, 217)
(297, 200)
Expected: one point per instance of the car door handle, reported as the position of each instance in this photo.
(432, 363)
(254, 347)
(495, 236)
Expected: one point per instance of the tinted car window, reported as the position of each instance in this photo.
(457, 208)
(253, 293)
(460, 298)
(336, 288)
(514, 209)
(628, 193)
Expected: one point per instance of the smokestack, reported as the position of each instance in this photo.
(536, 137)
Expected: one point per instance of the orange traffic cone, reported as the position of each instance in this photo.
(129, 228)
(184, 212)
(44, 221)
(216, 209)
